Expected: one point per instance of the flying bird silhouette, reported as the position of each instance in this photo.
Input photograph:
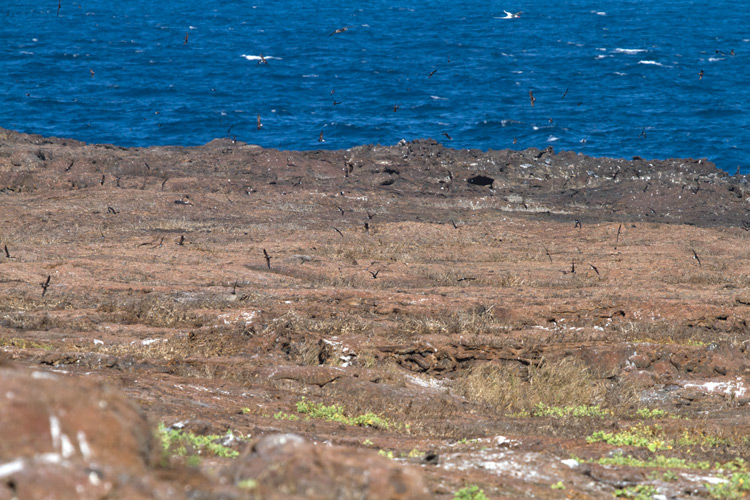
(267, 257)
(617, 239)
(532, 98)
(259, 123)
(547, 252)
(45, 285)
(432, 73)
(448, 136)
(340, 30)
(186, 38)
(700, 75)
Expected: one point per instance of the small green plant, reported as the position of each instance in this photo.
(735, 465)
(472, 492)
(736, 486)
(649, 413)
(669, 476)
(543, 410)
(247, 484)
(558, 486)
(703, 440)
(335, 413)
(181, 443)
(386, 454)
(285, 416)
(638, 492)
(367, 442)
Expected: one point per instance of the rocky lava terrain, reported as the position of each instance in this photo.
(412, 321)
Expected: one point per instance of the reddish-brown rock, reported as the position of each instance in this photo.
(288, 466)
(63, 438)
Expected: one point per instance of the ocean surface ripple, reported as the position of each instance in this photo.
(609, 78)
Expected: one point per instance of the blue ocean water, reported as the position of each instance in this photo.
(610, 78)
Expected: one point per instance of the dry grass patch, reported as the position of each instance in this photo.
(156, 312)
(210, 343)
(294, 323)
(476, 322)
(552, 383)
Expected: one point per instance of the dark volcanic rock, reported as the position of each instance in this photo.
(539, 182)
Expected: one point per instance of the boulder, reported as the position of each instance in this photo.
(288, 466)
(65, 438)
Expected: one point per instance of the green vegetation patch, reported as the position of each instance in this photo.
(648, 413)
(335, 413)
(736, 486)
(661, 461)
(639, 435)
(180, 443)
(653, 438)
(472, 492)
(19, 343)
(638, 492)
(544, 410)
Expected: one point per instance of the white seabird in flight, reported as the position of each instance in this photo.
(510, 15)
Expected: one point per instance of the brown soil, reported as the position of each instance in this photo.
(447, 291)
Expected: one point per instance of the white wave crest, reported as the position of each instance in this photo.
(629, 51)
(653, 63)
